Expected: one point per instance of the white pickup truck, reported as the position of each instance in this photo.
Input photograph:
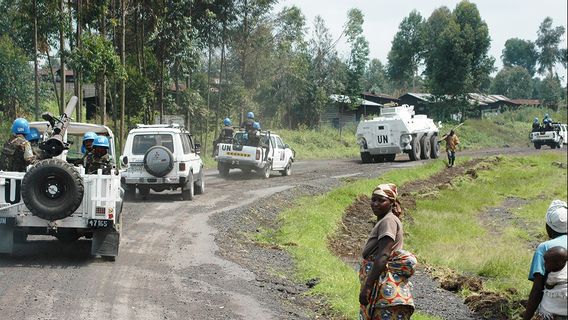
(271, 155)
(57, 197)
(554, 138)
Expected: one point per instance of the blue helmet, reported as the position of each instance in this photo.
(546, 116)
(101, 141)
(227, 122)
(33, 135)
(256, 126)
(250, 115)
(21, 126)
(89, 136)
(535, 120)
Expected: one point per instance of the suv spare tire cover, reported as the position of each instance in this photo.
(158, 161)
(52, 189)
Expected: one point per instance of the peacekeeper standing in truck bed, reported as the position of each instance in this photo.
(17, 152)
(99, 157)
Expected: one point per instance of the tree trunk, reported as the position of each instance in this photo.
(53, 78)
(161, 91)
(78, 75)
(204, 143)
(36, 75)
(62, 57)
(123, 62)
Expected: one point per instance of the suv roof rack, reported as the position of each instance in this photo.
(171, 125)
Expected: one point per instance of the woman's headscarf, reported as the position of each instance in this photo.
(389, 191)
(556, 216)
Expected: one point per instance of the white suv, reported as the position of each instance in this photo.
(161, 157)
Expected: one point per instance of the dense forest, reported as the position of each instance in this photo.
(210, 59)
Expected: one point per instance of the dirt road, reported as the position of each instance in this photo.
(179, 259)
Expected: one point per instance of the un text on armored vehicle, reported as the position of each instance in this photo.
(554, 136)
(57, 197)
(269, 154)
(162, 157)
(397, 130)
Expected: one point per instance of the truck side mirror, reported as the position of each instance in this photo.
(198, 148)
(286, 146)
(124, 160)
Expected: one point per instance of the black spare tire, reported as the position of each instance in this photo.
(52, 189)
(158, 161)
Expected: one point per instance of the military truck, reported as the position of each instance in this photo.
(397, 130)
(271, 154)
(554, 137)
(56, 197)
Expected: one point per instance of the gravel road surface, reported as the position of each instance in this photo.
(183, 259)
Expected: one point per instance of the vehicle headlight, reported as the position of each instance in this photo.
(361, 141)
(405, 138)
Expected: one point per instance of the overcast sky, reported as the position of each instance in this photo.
(505, 19)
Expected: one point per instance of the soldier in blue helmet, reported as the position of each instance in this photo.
(535, 125)
(254, 135)
(17, 152)
(247, 124)
(226, 134)
(99, 157)
(33, 138)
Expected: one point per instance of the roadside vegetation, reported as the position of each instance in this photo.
(448, 229)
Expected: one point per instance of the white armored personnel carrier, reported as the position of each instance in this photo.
(397, 130)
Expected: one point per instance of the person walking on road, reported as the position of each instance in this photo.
(556, 228)
(385, 289)
(452, 142)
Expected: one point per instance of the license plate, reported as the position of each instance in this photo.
(7, 221)
(96, 224)
(137, 166)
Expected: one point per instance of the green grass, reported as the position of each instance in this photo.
(324, 143)
(456, 237)
(307, 226)
(446, 231)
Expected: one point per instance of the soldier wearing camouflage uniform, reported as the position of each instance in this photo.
(33, 138)
(17, 152)
(99, 157)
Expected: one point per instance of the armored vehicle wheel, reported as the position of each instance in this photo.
(553, 146)
(378, 159)
(288, 170)
(188, 190)
(200, 184)
(223, 169)
(366, 157)
(414, 154)
(158, 161)
(390, 157)
(52, 189)
(537, 145)
(434, 147)
(425, 147)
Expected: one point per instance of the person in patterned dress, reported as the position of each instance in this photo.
(385, 290)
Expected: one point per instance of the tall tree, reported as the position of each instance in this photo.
(456, 55)
(359, 55)
(518, 52)
(406, 51)
(513, 82)
(376, 77)
(551, 90)
(15, 86)
(548, 40)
